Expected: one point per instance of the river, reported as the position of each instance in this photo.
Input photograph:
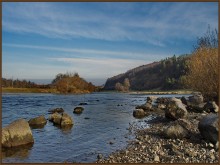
(106, 118)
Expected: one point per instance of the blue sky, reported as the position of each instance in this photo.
(97, 40)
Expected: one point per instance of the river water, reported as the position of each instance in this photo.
(106, 118)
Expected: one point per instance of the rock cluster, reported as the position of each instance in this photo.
(62, 120)
(151, 146)
(185, 132)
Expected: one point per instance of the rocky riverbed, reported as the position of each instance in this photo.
(151, 145)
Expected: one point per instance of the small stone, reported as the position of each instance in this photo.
(212, 157)
(217, 145)
(212, 151)
(111, 142)
(156, 158)
(211, 145)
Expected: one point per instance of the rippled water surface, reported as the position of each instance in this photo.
(109, 117)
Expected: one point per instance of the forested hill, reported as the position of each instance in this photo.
(164, 75)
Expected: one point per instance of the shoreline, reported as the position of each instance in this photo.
(150, 146)
(54, 91)
(178, 92)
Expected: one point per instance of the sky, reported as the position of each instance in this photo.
(98, 40)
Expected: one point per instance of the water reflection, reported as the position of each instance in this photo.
(21, 152)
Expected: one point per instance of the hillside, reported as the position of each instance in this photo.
(163, 75)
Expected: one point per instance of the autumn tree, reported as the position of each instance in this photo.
(203, 66)
(123, 87)
(119, 87)
(126, 84)
(72, 83)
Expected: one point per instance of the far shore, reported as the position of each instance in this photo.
(162, 92)
(52, 90)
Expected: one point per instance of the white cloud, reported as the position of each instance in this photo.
(100, 68)
(87, 68)
(183, 20)
(88, 52)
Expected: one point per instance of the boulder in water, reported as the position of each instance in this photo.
(17, 133)
(61, 120)
(37, 122)
(139, 113)
(78, 110)
(66, 120)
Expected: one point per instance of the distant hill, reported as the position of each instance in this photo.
(163, 75)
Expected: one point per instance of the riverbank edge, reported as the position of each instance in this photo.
(150, 146)
(37, 90)
(54, 91)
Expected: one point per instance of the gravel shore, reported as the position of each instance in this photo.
(151, 146)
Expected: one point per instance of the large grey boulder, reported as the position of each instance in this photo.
(178, 129)
(208, 127)
(37, 122)
(175, 109)
(16, 134)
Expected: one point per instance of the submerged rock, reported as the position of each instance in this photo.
(208, 127)
(58, 110)
(38, 122)
(78, 110)
(16, 134)
(83, 103)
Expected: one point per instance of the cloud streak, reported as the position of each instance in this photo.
(120, 22)
(87, 52)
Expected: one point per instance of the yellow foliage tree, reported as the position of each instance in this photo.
(203, 67)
